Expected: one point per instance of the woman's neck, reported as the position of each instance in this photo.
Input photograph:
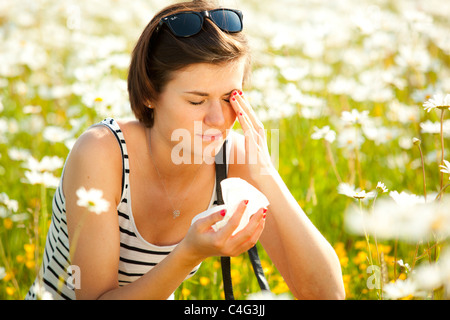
(169, 163)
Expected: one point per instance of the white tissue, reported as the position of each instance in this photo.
(234, 191)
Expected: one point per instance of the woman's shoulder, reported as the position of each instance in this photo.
(96, 140)
(95, 160)
(101, 139)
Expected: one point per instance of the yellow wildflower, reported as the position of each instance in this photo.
(7, 223)
(10, 291)
(8, 276)
(346, 278)
(30, 264)
(390, 260)
(216, 264)
(382, 248)
(402, 276)
(204, 281)
(361, 257)
(343, 261)
(281, 287)
(339, 248)
(20, 258)
(236, 276)
(360, 244)
(29, 254)
(185, 292)
(29, 248)
(267, 267)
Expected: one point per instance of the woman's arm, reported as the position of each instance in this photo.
(94, 162)
(304, 258)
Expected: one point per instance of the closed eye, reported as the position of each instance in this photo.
(196, 103)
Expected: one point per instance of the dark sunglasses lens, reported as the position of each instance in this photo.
(185, 24)
(227, 20)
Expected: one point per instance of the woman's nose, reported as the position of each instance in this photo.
(215, 115)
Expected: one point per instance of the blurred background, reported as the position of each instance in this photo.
(343, 81)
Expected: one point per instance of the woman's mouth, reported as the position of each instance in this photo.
(210, 137)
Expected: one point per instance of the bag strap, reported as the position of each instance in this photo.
(221, 173)
(257, 268)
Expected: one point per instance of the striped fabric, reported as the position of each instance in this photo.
(137, 256)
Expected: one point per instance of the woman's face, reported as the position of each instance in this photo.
(193, 113)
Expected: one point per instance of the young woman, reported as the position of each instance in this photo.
(186, 75)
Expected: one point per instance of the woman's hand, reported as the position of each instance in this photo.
(257, 156)
(204, 242)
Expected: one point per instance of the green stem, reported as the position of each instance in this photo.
(369, 251)
(425, 196)
(442, 190)
(423, 174)
(333, 163)
(358, 164)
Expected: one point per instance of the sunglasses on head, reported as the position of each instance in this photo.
(189, 23)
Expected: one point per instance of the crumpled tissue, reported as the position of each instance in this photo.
(234, 191)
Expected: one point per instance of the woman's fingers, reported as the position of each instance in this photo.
(242, 106)
(223, 242)
(207, 222)
(248, 110)
(248, 237)
(253, 128)
(234, 221)
(253, 224)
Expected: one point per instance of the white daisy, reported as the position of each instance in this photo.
(45, 178)
(399, 289)
(324, 133)
(92, 199)
(2, 273)
(445, 167)
(381, 188)
(355, 117)
(438, 101)
(350, 191)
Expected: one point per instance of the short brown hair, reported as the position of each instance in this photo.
(157, 56)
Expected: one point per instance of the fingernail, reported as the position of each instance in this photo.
(222, 212)
(264, 216)
(240, 113)
(241, 93)
(234, 93)
(234, 99)
(264, 211)
(246, 202)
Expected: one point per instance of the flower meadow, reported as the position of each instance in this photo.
(358, 90)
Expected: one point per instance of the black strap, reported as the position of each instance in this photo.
(257, 268)
(221, 173)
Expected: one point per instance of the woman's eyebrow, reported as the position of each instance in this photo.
(205, 94)
(198, 93)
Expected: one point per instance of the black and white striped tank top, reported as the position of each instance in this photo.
(57, 277)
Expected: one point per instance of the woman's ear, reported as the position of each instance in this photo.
(150, 104)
